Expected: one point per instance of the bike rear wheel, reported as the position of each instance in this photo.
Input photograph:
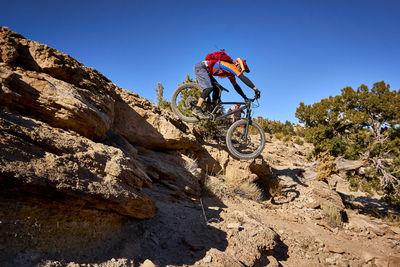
(242, 146)
(184, 99)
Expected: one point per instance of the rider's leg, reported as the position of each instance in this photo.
(215, 96)
(197, 109)
(206, 93)
(202, 77)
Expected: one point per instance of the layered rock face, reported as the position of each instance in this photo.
(66, 130)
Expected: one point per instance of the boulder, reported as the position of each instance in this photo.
(39, 81)
(55, 102)
(216, 159)
(51, 161)
(142, 123)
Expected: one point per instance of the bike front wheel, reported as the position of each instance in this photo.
(184, 99)
(242, 145)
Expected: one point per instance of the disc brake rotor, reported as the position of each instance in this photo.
(190, 102)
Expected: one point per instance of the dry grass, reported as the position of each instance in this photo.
(332, 216)
(221, 188)
(250, 191)
(216, 186)
(192, 165)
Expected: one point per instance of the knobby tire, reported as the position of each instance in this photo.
(232, 147)
(174, 105)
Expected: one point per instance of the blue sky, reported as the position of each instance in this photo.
(296, 50)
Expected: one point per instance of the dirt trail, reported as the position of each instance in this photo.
(294, 221)
(288, 230)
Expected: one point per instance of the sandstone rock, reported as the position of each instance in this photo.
(334, 249)
(393, 261)
(273, 262)
(55, 91)
(221, 259)
(48, 161)
(148, 263)
(207, 259)
(170, 169)
(54, 87)
(324, 195)
(248, 245)
(233, 226)
(142, 123)
(216, 160)
(56, 102)
(368, 256)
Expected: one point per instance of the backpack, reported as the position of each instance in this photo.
(216, 57)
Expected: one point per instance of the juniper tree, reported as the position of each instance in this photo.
(162, 102)
(363, 124)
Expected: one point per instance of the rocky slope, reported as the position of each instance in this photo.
(93, 174)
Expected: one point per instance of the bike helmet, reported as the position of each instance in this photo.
(241, 63)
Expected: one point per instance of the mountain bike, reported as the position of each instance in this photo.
(245, 138)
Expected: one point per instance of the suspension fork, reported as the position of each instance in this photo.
(249, 121)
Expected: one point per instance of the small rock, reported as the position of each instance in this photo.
(233, 225)
(393, 261)
(368, 256)
(192, 246)
(148, 263)
(314, 205)
(333, 249)
(330, 260)
(272, 261)
(381, 262)
(207, 259)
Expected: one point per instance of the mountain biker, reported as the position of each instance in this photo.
(205, 70)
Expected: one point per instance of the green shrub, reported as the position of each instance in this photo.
(310, 156)
(298, 141)
(354, 183)
(279, 135)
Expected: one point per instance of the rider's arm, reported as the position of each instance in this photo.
(237, 87)
(233, 70)
(247, 81)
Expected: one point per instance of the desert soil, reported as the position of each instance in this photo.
(286, 230)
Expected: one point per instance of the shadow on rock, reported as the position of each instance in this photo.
(273, 257)
(294, 174)
(288, 194)
(38, 230)
(177, 235)
(366, 205)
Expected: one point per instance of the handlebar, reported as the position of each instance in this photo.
(252, 99)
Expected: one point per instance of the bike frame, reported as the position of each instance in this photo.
(246, 106)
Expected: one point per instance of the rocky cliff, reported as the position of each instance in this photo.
(67, 130)
(83, 161)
